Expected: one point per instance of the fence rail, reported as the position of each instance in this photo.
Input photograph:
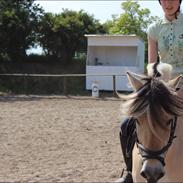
(65, 78)
(61, 75)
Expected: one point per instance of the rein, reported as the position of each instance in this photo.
(159, 155)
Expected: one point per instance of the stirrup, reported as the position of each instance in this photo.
(126, 176)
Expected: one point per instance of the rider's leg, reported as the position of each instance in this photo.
(127, 140)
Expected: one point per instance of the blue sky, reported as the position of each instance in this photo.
(101, 10)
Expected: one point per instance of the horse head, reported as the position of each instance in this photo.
(155, 105)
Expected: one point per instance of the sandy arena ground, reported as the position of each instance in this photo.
(59, 139)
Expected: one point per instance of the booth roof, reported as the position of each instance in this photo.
(113, 35)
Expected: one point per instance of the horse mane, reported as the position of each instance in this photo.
(153, 97)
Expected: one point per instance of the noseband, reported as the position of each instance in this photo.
(159, 155)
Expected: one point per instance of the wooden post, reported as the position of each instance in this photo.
(114, 85)
(25, 85)
(65, 85)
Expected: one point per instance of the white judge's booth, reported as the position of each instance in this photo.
(109, 55)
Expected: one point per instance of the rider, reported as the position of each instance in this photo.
(166, 36)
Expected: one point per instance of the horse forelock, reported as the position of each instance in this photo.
(156, 97)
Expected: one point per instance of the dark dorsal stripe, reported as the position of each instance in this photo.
(156, 73)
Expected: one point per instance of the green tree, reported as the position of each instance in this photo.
(133, 20)
(63, 34)
(19, 24)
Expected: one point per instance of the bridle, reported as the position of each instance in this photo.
(159, 155)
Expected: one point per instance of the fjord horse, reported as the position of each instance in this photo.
(157, 155)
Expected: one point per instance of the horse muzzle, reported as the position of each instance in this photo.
(152, 170)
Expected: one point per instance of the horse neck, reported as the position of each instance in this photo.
(177, 143)
(179, 128)
(174, 156)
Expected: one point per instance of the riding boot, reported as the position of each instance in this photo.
(127, 140)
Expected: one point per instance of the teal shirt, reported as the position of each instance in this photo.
(169, 37)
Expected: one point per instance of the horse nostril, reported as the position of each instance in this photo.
(161, 175)
(144, 171)
(143, 174)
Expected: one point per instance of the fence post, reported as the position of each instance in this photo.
(65, 85)
(114, 85)
(25, 85)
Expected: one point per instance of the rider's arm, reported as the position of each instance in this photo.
(152, 50)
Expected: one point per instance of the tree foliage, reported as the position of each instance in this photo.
(19, 21)
(24, 24)
(63, 34)
(134, 20)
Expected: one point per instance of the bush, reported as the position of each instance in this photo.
(36, 64)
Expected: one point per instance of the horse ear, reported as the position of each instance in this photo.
(175, 82)
(135, 80)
